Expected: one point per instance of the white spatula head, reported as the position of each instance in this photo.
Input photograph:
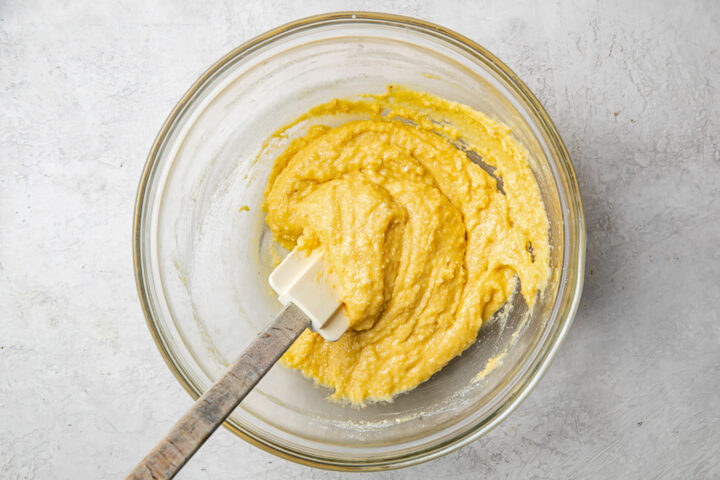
(303, 280)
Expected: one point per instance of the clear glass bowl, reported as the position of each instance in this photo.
(202, 260)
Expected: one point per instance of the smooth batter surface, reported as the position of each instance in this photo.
(423, 245)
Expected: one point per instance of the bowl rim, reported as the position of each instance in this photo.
(575, 284)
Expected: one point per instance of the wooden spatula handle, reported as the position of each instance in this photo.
(210, 410)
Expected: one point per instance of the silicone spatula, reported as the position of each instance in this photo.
(310, 301)
(302, 279)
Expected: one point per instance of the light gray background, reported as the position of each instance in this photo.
(634, 88)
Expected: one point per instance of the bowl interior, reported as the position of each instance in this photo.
(205, 257)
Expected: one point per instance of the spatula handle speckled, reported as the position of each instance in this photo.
(210, 410)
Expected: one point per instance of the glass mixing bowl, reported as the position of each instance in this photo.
(202, 252)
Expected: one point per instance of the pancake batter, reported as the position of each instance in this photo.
(422, 242)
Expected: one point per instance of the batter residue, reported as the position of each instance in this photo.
(423, 244)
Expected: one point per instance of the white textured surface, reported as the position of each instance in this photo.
(634, 88)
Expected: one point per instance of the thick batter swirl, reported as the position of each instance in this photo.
(423, 245)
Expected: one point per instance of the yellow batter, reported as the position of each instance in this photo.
(421, 241)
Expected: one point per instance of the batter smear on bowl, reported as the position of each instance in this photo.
(424, 244)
